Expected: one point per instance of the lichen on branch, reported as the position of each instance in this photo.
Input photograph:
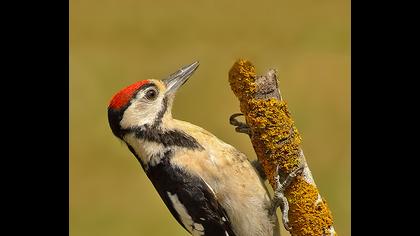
(276, 142)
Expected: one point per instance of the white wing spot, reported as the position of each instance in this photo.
(226, 233)
(182, 212)
(198, 227)
(223, 218)
(201, 218)
(193, 228)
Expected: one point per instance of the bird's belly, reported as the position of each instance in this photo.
(246, 205)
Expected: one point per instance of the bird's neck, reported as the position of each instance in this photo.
(150, 142)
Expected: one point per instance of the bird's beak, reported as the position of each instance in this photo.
(175, 80)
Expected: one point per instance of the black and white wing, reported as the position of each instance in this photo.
(190, 200)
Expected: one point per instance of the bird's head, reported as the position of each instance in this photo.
(146, 102)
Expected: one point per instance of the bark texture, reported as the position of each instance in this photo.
(276, 142)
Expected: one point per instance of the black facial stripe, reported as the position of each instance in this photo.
(167, 138)
(160, 114)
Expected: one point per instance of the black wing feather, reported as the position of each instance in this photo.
(194, 194)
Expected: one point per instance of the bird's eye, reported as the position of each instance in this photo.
(151, 94)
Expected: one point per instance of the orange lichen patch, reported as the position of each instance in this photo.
(276, 142)
(307, 215)
(273, 135)
(241, 78)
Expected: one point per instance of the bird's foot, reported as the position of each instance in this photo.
(279, 200)
(241, 127)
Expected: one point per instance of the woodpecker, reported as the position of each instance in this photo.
(210, 187)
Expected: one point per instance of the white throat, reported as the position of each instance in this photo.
(150, 153)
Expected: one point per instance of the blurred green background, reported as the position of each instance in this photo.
(114, 43)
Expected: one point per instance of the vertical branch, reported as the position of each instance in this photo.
(276, 142)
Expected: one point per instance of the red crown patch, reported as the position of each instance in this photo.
(121, 98)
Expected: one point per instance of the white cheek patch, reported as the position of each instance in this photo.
(193, 228)
(141, 112)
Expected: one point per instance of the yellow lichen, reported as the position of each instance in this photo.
(276, 142)
(307, 215)
(275, 138)
(274, 134)
(242, 78)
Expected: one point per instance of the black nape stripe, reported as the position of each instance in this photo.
(167, 138)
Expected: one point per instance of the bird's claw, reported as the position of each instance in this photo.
(279, 200)
(241, 127)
